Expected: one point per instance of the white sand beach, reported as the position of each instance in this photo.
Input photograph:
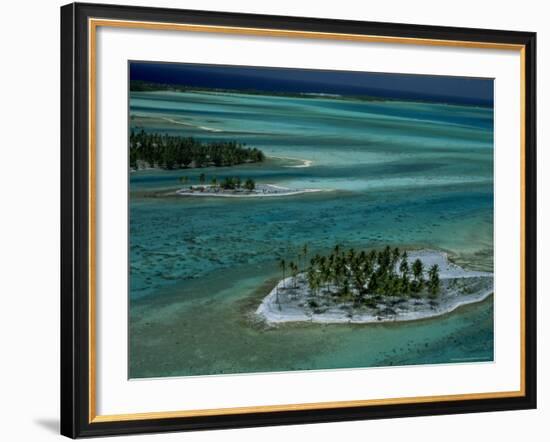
(261, 191)
(183, 123)
(291, 300)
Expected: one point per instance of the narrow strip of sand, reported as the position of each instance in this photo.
(305, 163)
(183, 123)
(261, 191)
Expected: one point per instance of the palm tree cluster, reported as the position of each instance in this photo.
(175, 152)
(350, 273)
(228, 183)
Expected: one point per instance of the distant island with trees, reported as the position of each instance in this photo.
(148, 86)
(145, 86)
(154, 150)
(233, 186)
(176, 152)
(213, 183)
(370, 286)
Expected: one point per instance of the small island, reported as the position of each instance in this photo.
(154, 150)
(235, 187)
(348, 286)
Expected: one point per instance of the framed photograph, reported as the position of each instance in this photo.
(274, 220)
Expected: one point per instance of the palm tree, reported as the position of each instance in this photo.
(294, 269)
(282, 266)
(323, 271)
(359, 280)
(372, 256)
(312, 280)
(304, 252)
(404, 269)
(249, 184)
(384, 259)
(433, 283)
(394, 258)
(418, 271)
(368, 267)
(339, 269)
(345, 288)
(373, 285)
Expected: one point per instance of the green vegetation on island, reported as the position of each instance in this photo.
(176, 152)
(364, 276)
(231, 183)
(228, 183)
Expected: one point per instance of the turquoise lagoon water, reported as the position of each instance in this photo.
(400, 173)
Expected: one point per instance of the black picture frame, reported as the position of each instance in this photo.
(75, 221)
